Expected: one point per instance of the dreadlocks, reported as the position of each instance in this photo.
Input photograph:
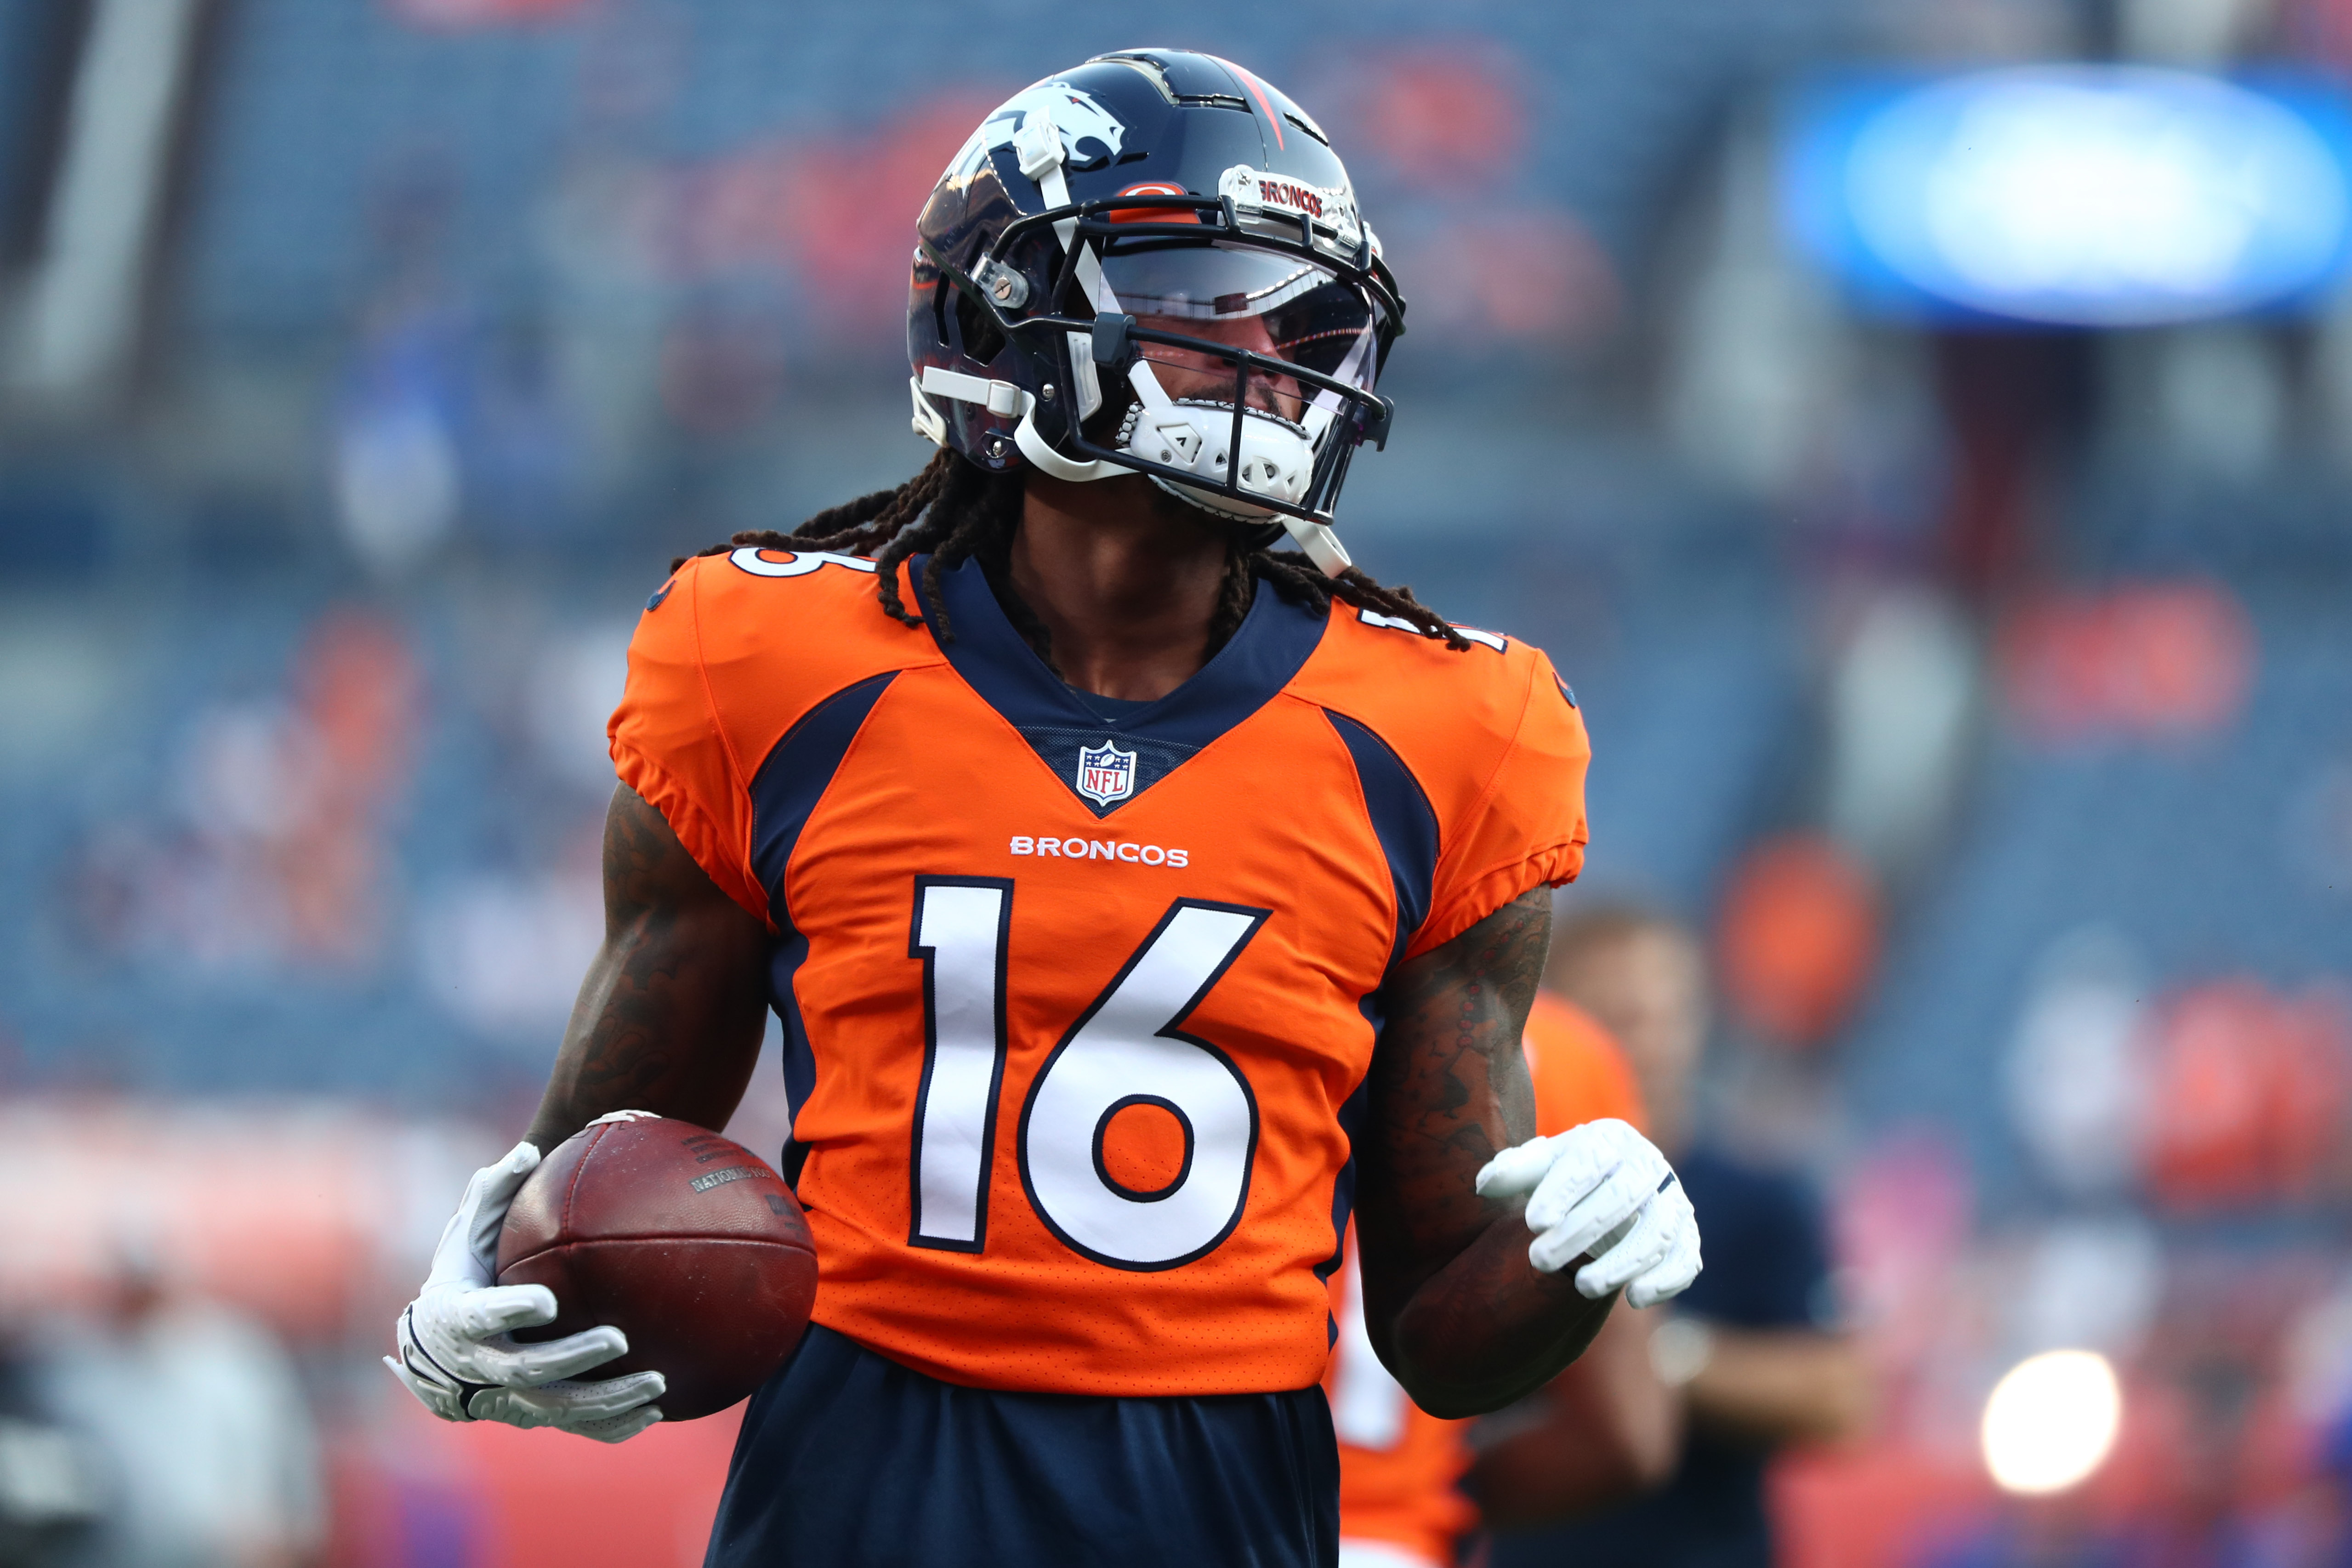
(960, 511)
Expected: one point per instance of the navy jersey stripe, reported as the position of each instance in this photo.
(794, 774)
(1401, 819)
(799, 1055)
(792, 779)
(1354, 1112)
(1406, 825)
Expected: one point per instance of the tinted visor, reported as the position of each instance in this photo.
(1281, 306)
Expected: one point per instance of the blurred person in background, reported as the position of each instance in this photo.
(49, 1491)
(1414, 1487)
(1752, 1347)
(208, 1450)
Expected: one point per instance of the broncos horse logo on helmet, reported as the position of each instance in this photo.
(1154, 264)
(1076, 117)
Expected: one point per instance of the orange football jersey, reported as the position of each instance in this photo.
(1079, 996)
(1401, 1467)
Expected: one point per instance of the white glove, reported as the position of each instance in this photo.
(456, 1350)
(1604, 1188)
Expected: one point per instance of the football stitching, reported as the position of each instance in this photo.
(572, 1191)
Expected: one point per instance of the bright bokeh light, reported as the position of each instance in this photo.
(2097, 195)
(2052, 1421)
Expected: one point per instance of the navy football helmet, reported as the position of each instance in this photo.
(1154, 263)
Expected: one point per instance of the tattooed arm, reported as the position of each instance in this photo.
(667, 1020)
(1454, 1306)
(670, 1016)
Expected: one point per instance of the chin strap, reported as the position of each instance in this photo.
(1003, 399)
(1048, 461)
(1322, 546)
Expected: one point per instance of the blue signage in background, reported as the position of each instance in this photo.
(2076, 196)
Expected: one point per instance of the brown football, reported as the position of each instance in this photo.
(686, 1241)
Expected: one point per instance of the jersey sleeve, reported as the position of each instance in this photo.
(1526, 829)
(668, 746)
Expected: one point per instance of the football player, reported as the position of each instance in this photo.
(1137, 901)
(1604, 1430)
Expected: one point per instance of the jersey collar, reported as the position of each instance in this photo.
(1276, 640)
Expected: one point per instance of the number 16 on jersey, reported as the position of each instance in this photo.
(1126, 1049)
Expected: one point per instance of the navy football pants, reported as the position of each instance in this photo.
(849, 1460)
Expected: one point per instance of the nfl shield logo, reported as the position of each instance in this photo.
(1105, 773)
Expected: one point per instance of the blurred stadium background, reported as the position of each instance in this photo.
(1921, 430)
